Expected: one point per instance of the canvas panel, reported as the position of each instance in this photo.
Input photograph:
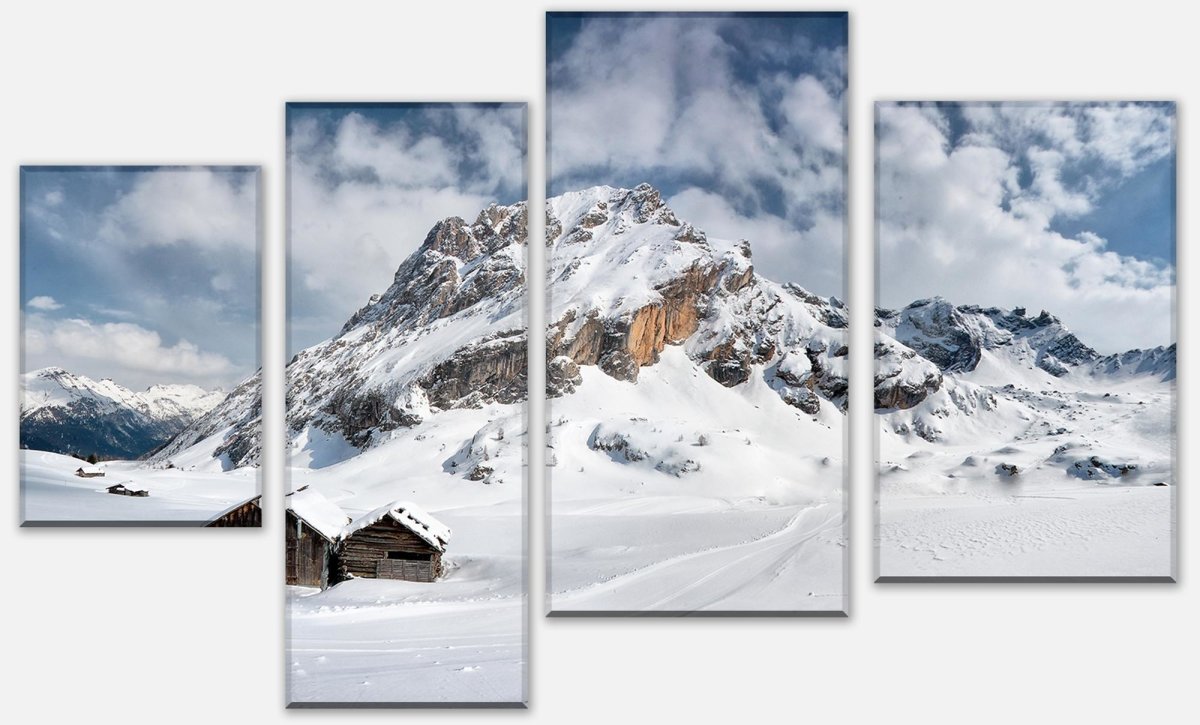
(696, 334)
(140, 307)
(1024, 340)
(406, 395)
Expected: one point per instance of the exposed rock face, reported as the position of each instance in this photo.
(902, 378)
(461, 272)
(562, 376)
(1094, 467)
(448, 333)
(954, 338)
(493, 370)
(680, 288)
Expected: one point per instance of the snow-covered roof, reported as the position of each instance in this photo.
(324, 516)
(91, 470)
(253, 499)
(410, 516)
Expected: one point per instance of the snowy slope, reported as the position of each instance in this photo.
(51, 493)
(67, 413)
(1034, 456)
(696, 420)
(419, 398)
(698, 442)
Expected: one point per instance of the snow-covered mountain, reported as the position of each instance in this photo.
(1009, 447)
(995, 382)
(672, 366)
(67, 413)
(628, 279)
(448, 333)
(696, 418)
(932, 337)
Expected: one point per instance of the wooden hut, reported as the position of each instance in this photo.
(397, 541)
(123, 489)
(312, 532)
(246, 513)
(89, 472)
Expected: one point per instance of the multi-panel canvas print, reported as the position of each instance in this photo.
(139, 311)
(696, 337)
(1024, 340)
(406, 394)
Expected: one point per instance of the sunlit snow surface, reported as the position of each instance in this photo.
(457, 640)
(946, 511)
(53, 494)
(753, 523)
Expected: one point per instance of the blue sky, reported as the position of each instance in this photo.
(366, 182)
(1135, 213)
(1067, 207)
(739, 119)
(142, 274)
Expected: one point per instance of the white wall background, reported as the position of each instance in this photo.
(147, 625)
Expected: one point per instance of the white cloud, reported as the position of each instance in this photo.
(364, 197)
(174, 206)
(814, 115)
(43, 302)
(956, 222)
(764, 151)
(774, 241)
(394, 155)
(121, 350)
(53, 198)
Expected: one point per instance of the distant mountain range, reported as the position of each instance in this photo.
(916, 346)
(72, 414)
(630, 284)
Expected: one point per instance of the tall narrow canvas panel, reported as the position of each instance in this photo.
(139, 312)
(696, 335)
(1024, 340)
(406, 394)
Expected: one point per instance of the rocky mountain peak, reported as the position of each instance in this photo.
(954, 337)
(456, 266)
(629, 279)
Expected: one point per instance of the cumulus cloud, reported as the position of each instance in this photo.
(971, 219)
(774, 237)
(43, 302)
(171, 251)
(124, 351)
(750, 122)
(364, 193)
(199, 206)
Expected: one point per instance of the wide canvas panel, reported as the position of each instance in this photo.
(696, 334)
(1024, 340)
(139, 312)
(406, 394)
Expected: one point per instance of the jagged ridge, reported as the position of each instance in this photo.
(72, 414)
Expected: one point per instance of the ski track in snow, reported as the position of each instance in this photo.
(748, 575)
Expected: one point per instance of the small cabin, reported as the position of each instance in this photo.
(89, 472)
(123, 489)
(246, 513)
(397, 541)
(312, 534)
